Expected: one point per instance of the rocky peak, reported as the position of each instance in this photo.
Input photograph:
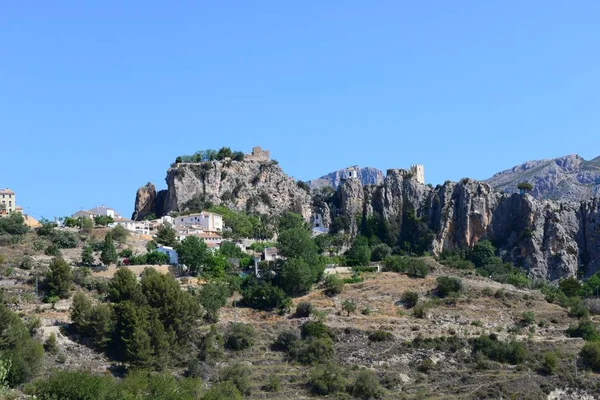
(568, 178)
(366, 176)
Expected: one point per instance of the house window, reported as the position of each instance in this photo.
(10, 203)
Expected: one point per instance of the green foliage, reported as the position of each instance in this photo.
(120, 234)
(52, 250)
(109, 252)
(166, 235)
(241, 224)
(526, 186)
(447, 286)
(262, 295)
(483, 253)
(211, 348)
(570, 286)
(14, 224)
(285, 341)
(584, 329)
(212, 296)
(25, 354)
(349, 306)
(528, 318)
(59, 278)
(494, 349)
(456, 259)
(366, 386)
(312, 351)
(290, 220)
(87, 257)
(590, 354)
(223, 391)
(51, 346)
(124, 286)
(73, 386)
(103, 220)
(274, 384)
(549, 363)
(46, 228)
(296, 277)
(333, 285)
(314, 329)
(577, 308)
(193, 253)
(410, 299)
(153, 257)
(380, 336)
(380, 252)
(415, 236)
(417, 269)
(240, 337)
(328, 379)
(359, 253)
(239, 375)
(304, 309)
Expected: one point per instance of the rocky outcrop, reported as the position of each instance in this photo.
(366, 175)
(258, 187)
(548, 238)
(568, 178)
(148, 201)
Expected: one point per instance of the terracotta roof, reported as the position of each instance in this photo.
(6, 191)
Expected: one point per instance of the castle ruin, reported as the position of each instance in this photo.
(416, 172)
(258, 154)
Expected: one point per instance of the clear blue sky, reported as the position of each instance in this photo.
(97, 99)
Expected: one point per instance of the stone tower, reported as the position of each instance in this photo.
(351, 172)
(418, 171)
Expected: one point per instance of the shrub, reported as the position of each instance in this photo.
(120, 234)
(333, 285)
(549, 363)
(570, 286)
(585, 329)
(71, 385)
(577, 308)
(380, 252)
(447, 285)
(52, 250)
(59, 278)
(511, 352)
(239, 375)
(51, 346)
(285, 340)
(410, 299)
(314, 329)
(349, 306)
(223, 391)
(211, 347)
(366, 385)
(417, 269)
(312, 351)
(590, 354)
(65, 239)
(274, 384)
(420, 310)
(380, 336)
(240, 337)
(528, 318)
(327, 380)
(262, 295)
(304, 309)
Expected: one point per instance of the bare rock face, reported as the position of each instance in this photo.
(550, 239)
(569, 178)
(145, 199)
(366, 176)
(253, 186)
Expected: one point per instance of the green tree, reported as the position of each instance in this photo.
(109, 252)
(166, 235)
(290, 220)
(87, 257)
(525, 186)
(570, 286)
(124, 286)
(483, 253)
(447, 286)
(59, 278)
(380, 252)
(120, 234)
(212, 296)
(240, 337)
(296, 277)
(366, 386)
(262, 295)
(327, 379)
(81, 312)
(590, 354)
(193, 253)
(297, 243)
(333, 285)
(14, 224)
(359, 254)
(549, 363)
(223, 391)
(239, 374)
(349, 306)
(86, 224)
(103, 220)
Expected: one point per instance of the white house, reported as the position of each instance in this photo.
(207, 220)
(169, 251)
(271, 253)
(141, 227)
(97, 212)
(317, 225)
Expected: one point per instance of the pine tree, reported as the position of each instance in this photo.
(109, 252)
(81, 312)
(59, 278)
(87, 257)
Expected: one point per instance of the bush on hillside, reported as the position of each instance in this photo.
(447, 286)
(328, 379)
(240, 337)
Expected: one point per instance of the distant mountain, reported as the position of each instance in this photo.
(366, 175)
(565, 178)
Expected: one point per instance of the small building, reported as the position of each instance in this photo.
(141, 227)
(99, 211)
(169, 251)
(271, 254)
(317, 225)
(351, 172)
(209, 221)
(8, 202)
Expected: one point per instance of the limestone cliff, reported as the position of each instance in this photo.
(366, 175)
(254, 186)
(551, 239)
(564, 178)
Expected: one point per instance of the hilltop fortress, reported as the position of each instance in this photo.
(416, 171)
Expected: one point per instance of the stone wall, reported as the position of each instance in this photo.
(258, 154)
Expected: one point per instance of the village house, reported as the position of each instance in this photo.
(209, 221)
(169, 251)
(271, 254)
(8, 202)
(141, 227)
(99, 211)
